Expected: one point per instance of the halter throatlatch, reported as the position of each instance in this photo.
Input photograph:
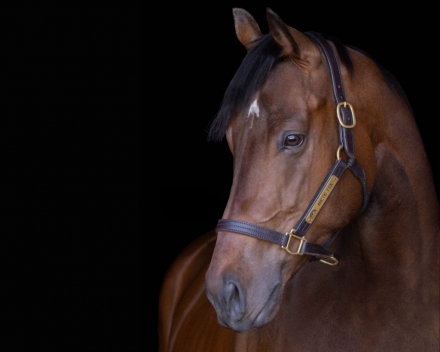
(294, 241)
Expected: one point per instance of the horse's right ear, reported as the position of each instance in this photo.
(293, 43)
(246, 28)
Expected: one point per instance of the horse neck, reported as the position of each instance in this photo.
(397, 235)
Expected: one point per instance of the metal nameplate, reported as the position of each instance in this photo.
(321, 199)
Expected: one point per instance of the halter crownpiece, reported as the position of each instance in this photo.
(294, 241)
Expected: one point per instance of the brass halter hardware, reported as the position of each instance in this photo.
(338, 156)
(338, 113)
(329, 261)
(291, 234)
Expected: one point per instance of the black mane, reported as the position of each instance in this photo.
(255, 68)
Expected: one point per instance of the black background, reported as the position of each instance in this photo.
(70, 151)
(105, 156)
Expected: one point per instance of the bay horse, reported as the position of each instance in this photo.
(330, 237)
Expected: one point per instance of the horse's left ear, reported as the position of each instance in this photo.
(246, 28)
(293, 43)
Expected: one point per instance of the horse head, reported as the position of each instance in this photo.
(280, 119)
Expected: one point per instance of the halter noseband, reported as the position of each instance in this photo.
(347, 121)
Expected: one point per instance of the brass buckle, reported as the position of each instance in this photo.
(301, 239)
(339, 114)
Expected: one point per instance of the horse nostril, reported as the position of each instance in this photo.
(234, 299)
(231, 291)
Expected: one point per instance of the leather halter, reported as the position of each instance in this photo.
(347, 121)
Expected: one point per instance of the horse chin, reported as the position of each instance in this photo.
(254, 321)
(270, 309)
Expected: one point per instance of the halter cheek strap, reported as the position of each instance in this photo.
(344, 112)
(294, 241)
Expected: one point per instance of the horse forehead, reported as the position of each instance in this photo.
(289, 89)
(287, 103)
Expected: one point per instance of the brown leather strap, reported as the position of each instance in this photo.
(345, 134)
(272, 236)
(252, 230)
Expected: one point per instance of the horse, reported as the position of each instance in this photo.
(329, 240)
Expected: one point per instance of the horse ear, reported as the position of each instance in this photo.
(293, 42)
(246, 28)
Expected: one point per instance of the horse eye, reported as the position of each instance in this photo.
(293, 140)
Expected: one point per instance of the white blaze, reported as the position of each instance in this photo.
(254, 109)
